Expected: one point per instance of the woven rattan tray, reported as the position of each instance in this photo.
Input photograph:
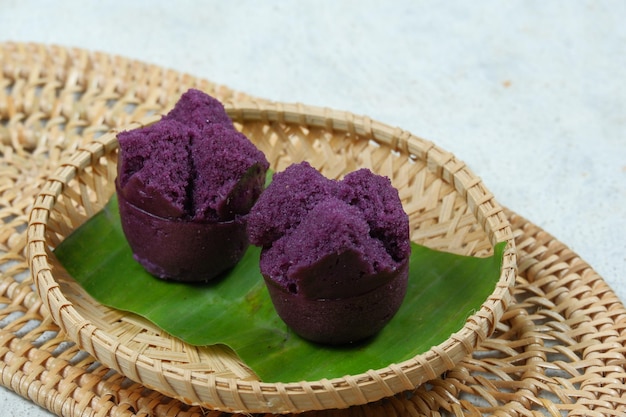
(560, 348)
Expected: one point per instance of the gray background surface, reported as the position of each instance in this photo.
(530, 94)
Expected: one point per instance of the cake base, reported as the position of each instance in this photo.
(341, 320)
(180, 250)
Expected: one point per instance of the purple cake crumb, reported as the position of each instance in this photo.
(293, 193)
(331, 229)
(156, 178)
(223, 158)
(198, 109)
(334, 253)
(381, 208)
(185, 167)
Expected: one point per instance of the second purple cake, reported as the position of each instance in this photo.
(335, 253)
(185, 185)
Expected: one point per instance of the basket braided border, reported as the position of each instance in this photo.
(253, 396)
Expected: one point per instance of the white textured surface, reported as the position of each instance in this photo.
(530, 94)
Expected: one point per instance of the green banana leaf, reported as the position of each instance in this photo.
(444, 289)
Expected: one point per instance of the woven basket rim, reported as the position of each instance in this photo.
(236, 395)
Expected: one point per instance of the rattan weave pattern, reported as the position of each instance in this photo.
(560, 348)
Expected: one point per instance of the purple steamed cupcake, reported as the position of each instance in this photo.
(334, 253)
(185, 186)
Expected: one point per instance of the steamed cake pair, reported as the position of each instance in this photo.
(334, 253)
